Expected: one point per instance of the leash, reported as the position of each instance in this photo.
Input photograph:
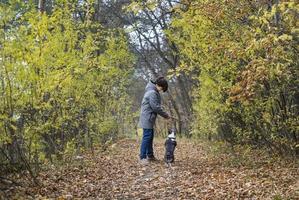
(176, 119)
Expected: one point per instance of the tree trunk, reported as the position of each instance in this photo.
(41, 5)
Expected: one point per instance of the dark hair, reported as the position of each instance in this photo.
(161, 81)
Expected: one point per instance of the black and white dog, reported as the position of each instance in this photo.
(170, 145)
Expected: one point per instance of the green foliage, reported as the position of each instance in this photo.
(63, 82)
(248, 63)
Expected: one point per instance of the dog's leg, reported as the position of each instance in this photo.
(168, 165)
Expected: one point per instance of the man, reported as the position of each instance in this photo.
(150, 108)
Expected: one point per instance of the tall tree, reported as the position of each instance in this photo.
(147, 23)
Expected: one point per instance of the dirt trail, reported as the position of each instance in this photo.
(195, 175)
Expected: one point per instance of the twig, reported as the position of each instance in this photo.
(9, 181)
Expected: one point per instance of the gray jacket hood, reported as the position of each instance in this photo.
(150, 86)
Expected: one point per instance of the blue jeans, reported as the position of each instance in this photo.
(146, 149)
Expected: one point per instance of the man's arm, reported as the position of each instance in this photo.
(156, 106)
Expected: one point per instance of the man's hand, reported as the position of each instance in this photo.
(169, 119)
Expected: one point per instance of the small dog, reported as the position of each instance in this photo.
(170, 145)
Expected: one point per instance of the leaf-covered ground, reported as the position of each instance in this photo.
(196, 174)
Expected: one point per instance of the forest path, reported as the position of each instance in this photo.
(116, 174)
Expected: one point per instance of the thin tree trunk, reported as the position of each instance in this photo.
(176, 109)
(41, 5)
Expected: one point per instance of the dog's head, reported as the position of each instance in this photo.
(171, 133)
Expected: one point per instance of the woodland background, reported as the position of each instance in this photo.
(73, 72)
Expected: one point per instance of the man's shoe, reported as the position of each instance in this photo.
(152, 158)
(144, 162)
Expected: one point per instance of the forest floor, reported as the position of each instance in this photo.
(196, 174)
